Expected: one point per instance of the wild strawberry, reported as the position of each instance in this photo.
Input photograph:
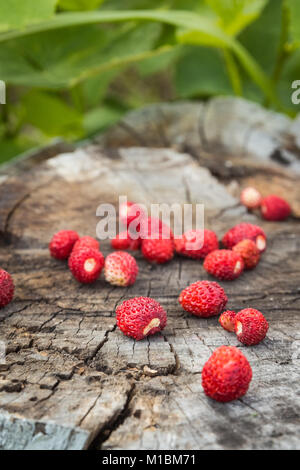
(227, 320)
(154, 228)
(62, 243)
(251, 198)
(128, 212)
(7, 288)
(225, 265)
(226, 375)
(203, 299)
(275, 208)
(86, 242)
(120, 269)
(140, 317)
(245, 230)
(124, 241)
(248, 250)
(86, 264)
(158, 251)
(196, 243)
(250, 326)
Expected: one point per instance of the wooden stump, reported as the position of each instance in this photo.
(71, 380)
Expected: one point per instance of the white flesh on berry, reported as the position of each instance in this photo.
(115, 277)
(239, 328)
(155, 322)
(237, 267)
(261, 242)
(89, 265)
(251, 198)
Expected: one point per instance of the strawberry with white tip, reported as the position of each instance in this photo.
(225, 265)
(120, 269)
(140, 317)
(251, 198)
(86, 264)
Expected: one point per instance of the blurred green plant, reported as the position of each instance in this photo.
(74, 67)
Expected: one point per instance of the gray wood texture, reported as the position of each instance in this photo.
(71, 380)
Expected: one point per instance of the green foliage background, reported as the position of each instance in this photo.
(74, 67)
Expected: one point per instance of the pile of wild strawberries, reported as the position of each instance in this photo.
(227, 374)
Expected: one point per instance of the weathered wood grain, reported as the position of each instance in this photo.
(71, 380)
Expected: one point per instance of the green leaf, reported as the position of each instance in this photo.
(159, 62)
(201, 72)
(190, 36)
(294, 6)
(58, 59)
(131, 4)
(79, 5)
(10, 148)
(100, 118)
(246, 60)
(95, 88)
(52, 115)
(183, 18)
(262, 38)
(19, 13)
(206, 29)
(235, 15)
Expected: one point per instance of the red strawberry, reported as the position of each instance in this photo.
(245, 230)
(224, 264)
(128, 212)
(196, 243)
(248, 250)
(251, 198)
(250, 326)
(227, 320)
(140, 317)
(203, 298)
(158, 251)
(7, 288)
(86, 242)
(86, 264)
(120, 269)
(226, 375)
(62, 243)
(275, 208)
(154, 228)
(124, 241)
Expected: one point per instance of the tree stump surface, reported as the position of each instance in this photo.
(71, 379)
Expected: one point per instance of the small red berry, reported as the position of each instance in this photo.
(203, 299)
(140, 317)
(128, 212)
(275, 208)
(120, 269)
(155, 228)
(62, 243)
(158, 251)
(196, 243)
(227, 320)
(7, 288)
(251, 198)
(250, 326)
(245, 230)
(226, 375)
(225, 265)
(86, 264)
(248, 250)
(124, 241)
(87, 242)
